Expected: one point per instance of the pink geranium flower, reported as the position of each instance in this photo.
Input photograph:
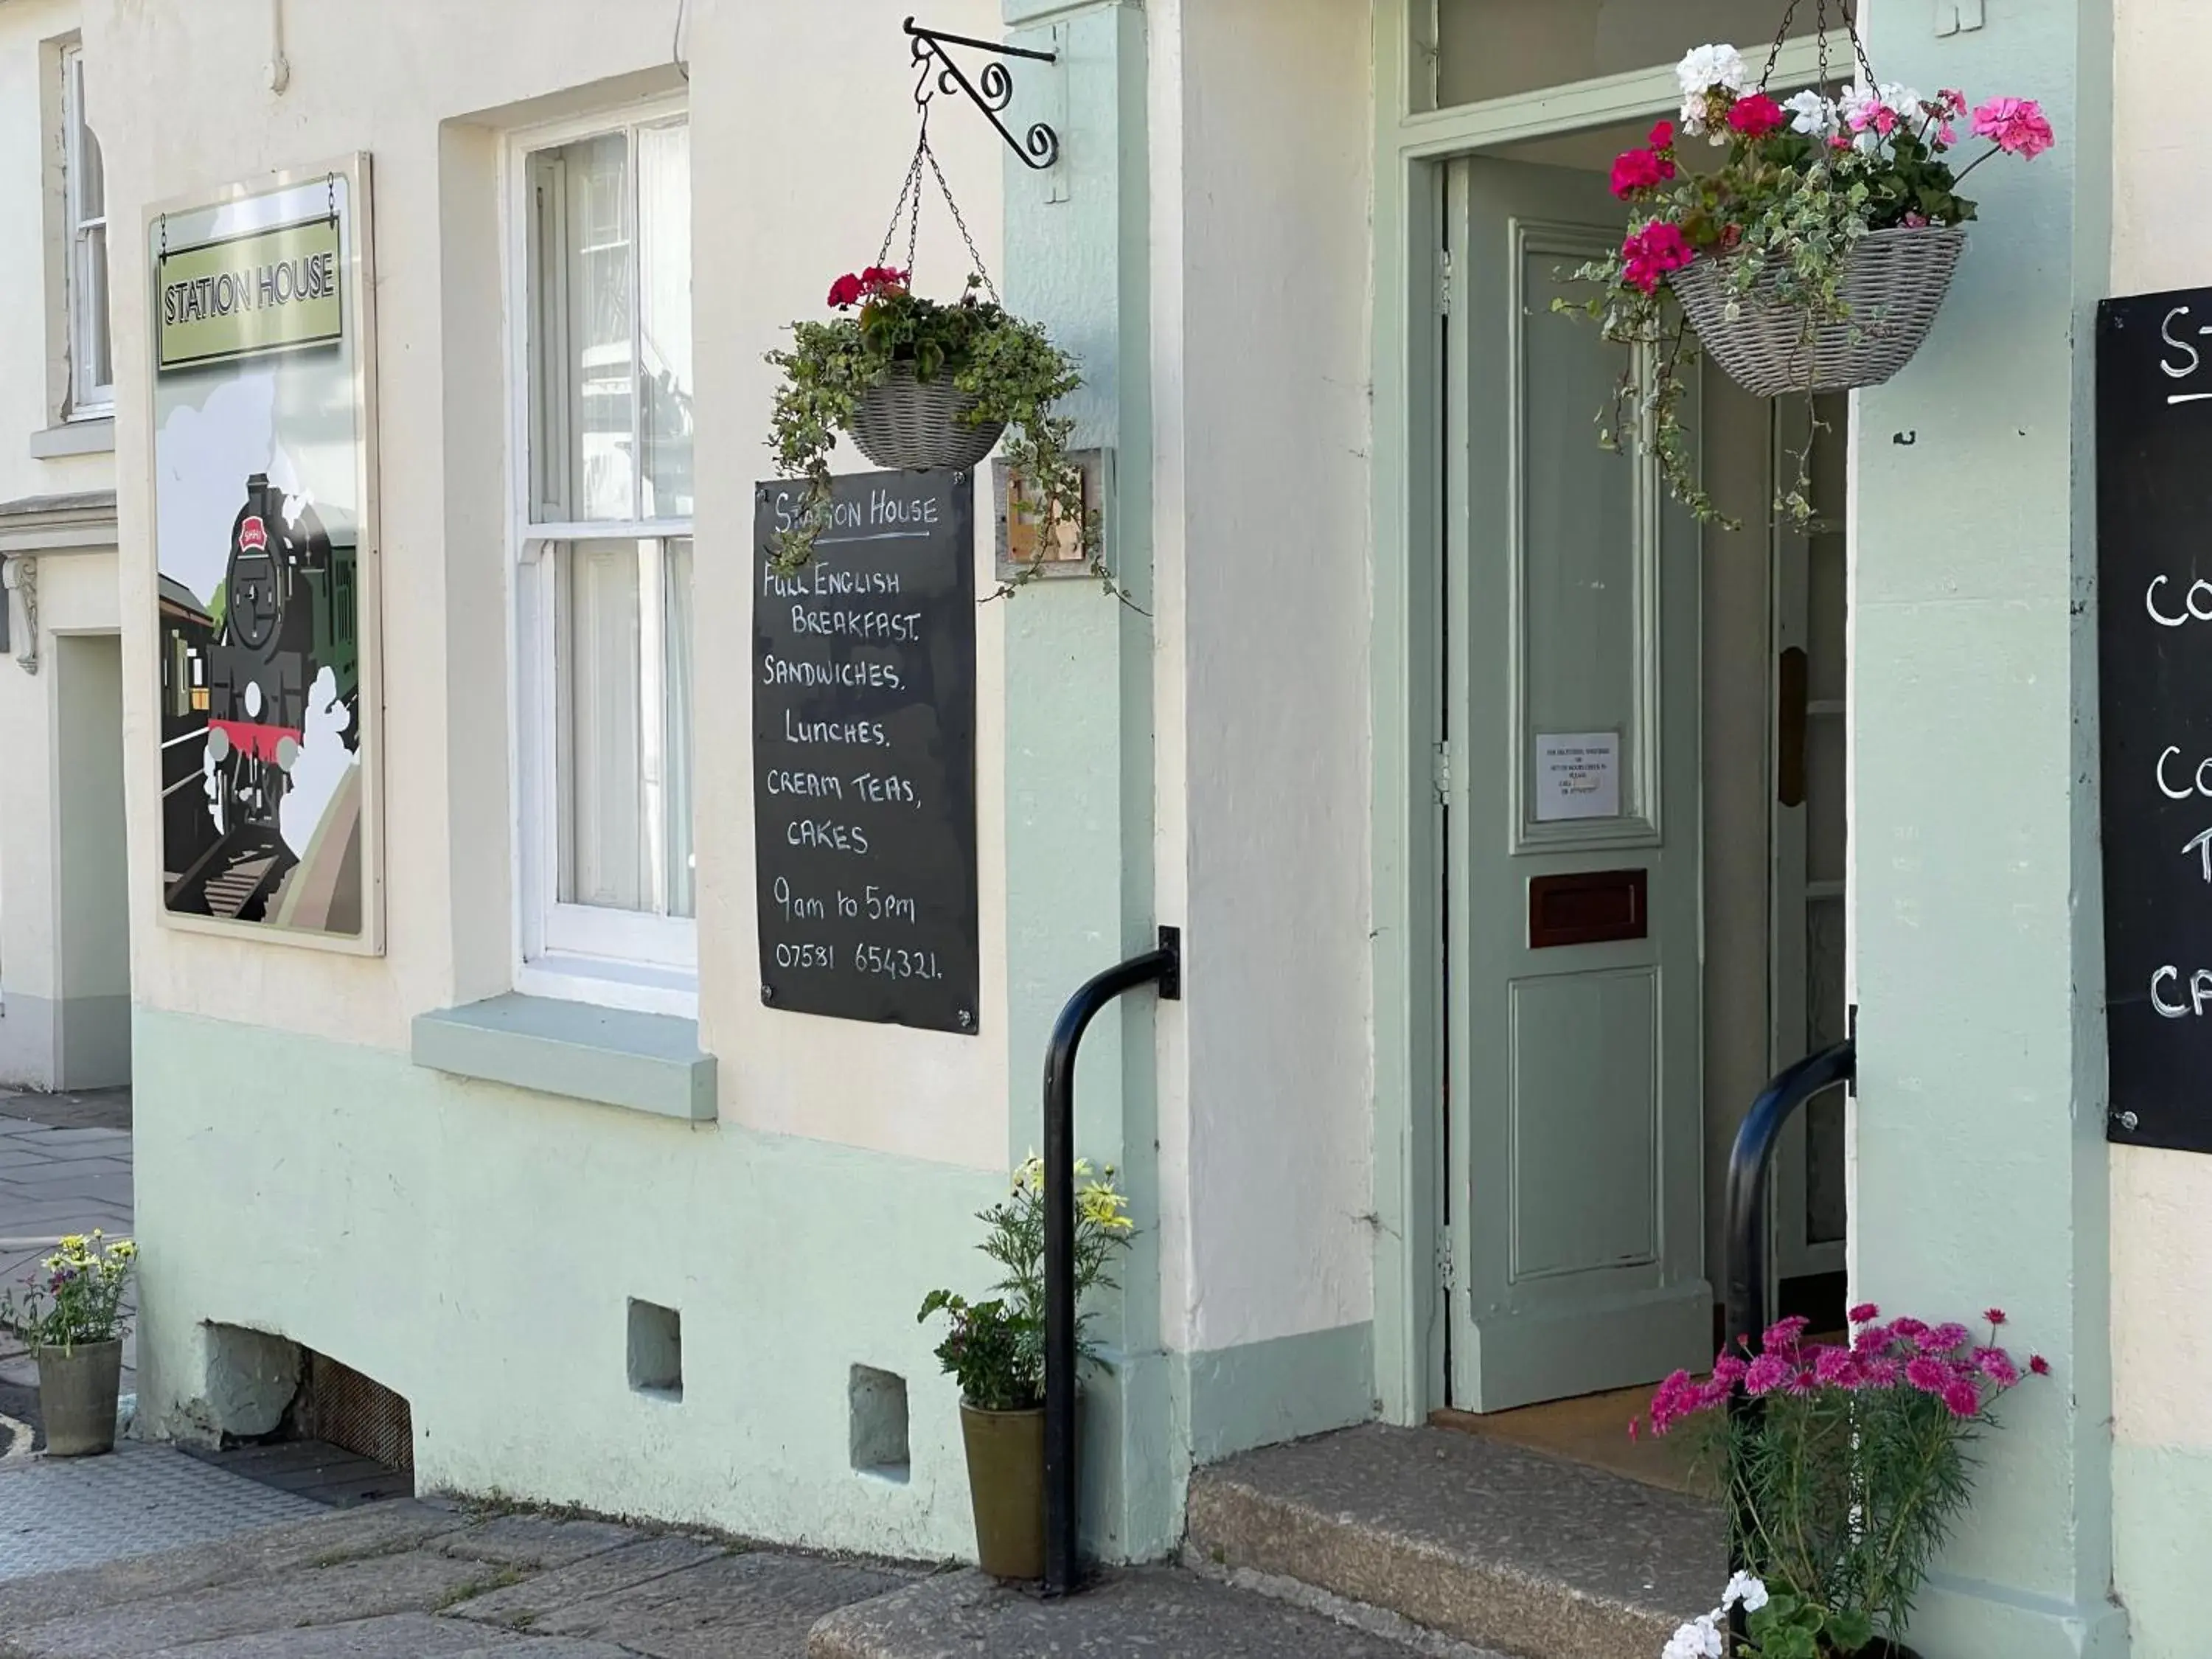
(2016, 125)
(1663, 136)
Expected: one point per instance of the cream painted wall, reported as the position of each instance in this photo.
(1262, 134)
(2162, 1201)
(77, 590)
(795, 166)
(30, 271)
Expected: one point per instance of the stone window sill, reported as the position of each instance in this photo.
(74, 438)
(640, 1062)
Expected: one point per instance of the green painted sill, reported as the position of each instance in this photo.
(639, 1062)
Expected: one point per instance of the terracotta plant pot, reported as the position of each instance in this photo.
(77, 1389)
(1006, 1484)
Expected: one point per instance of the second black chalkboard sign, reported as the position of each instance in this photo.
(864, 754)
(2154, 679)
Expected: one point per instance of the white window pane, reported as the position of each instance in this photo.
(95, 372)
(89, 188)
(664, 213)
(599, 370)
(676, 726)
(601, 768)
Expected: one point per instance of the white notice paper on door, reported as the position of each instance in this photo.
(1578, 776)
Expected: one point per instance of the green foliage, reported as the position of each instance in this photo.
(77, 1295)
(995, 1348)
(1797, 1627)
(1009, 367)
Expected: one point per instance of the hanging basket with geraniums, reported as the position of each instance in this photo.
(1813, 259)
(917, 384)
(1843, 1467)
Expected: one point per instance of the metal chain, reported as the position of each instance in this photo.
(909, 207)
(1821, 39)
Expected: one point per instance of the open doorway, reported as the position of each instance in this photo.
(1642, 883)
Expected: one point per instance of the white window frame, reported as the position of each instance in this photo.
(86, 400)
(619, 958)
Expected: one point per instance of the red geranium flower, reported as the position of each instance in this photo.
(845, 292)
(1639, 169)
(1756, 115)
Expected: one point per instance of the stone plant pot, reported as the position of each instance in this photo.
(1005, 1485)
(77, 1387)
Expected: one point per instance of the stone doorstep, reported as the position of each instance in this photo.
(1468, 1537)
(1147, 1612)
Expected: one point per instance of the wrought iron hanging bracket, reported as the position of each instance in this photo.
(991, 92)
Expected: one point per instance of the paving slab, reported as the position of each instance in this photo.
(759, 1604)
(403, 1636)
(521, 1606)
(416, 1582)
(1469, 1536)
(69, 1512)
(1154, 1612)
(537, 1541)
(326, 1540)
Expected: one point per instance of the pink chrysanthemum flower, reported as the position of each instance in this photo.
(1865, 1313)
(1729, 1369)
(2038, 1365)
(1768, 1372)
(1784, 1334)
(1880, 1372)
(1928, 1374)
(1908, 1330)
(1994, 1315)
(1871, 1340)
(1997, 1365)
(1835, 1365)
(1944, 1338)
(1962, 1398)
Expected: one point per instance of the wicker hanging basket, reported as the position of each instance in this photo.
(906, 425)
(1894, 285)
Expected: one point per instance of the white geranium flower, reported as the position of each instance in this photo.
(1704, 68)
(1815, 115)
(1747, 1589)
(1700, 1638)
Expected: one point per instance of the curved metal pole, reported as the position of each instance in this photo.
(1749, 1268)
(1748, 1246)
(1164, 967)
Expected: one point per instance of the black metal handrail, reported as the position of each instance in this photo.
(1163, 967)
(1750, 1269)
(1750, 1163)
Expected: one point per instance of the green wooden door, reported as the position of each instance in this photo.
(1574, 1121)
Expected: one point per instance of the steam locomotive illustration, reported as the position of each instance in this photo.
(287, 613)
(244, 668)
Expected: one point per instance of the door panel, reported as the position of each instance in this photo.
(1572, 650)
(1810, 841)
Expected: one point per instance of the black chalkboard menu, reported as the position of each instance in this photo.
(2154, 677)
(864, 754)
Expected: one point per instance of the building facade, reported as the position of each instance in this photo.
(64, 930)
(1389, 1153)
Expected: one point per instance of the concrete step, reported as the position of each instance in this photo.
(1150, 1612)
(1469, 1537)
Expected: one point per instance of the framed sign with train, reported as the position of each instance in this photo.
(263, 507)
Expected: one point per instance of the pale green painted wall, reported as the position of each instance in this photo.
(2164, 1497)
(1080, 790)
(473, 1247)
(1259, 1393)
(1980, 1173)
